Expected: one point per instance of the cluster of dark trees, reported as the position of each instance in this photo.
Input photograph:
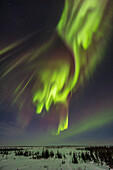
(35, 155)
(7, 151)
(102, 154)
(97, 155)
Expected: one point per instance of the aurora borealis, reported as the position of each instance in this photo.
(49, 70)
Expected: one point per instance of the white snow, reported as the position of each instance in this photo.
(12, 162)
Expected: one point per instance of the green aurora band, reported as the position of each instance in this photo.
(98, 120)
(82, 29)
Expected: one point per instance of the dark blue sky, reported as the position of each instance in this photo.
(90, 104)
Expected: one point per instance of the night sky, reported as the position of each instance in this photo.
(91, 106)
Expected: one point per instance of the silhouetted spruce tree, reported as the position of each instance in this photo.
(83, 157)
(63, 162)
(46, 154)
(74, 159)
(87, 157)
(51, 154)
(58, 155)
(43, 153)
(29, 153)
(92, 156)
(64, 156)
(70, 153)
(26, 153)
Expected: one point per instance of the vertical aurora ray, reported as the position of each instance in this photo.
(87, 124)
(90, 123)
(53, 71)
(63, 125)
(81, 27)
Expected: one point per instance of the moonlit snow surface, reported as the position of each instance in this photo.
(16, 162)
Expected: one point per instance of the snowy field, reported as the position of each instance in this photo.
(55, 158)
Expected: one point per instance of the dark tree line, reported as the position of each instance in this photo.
(98, 155)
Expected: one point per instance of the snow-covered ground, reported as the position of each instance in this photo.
(13, 161)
